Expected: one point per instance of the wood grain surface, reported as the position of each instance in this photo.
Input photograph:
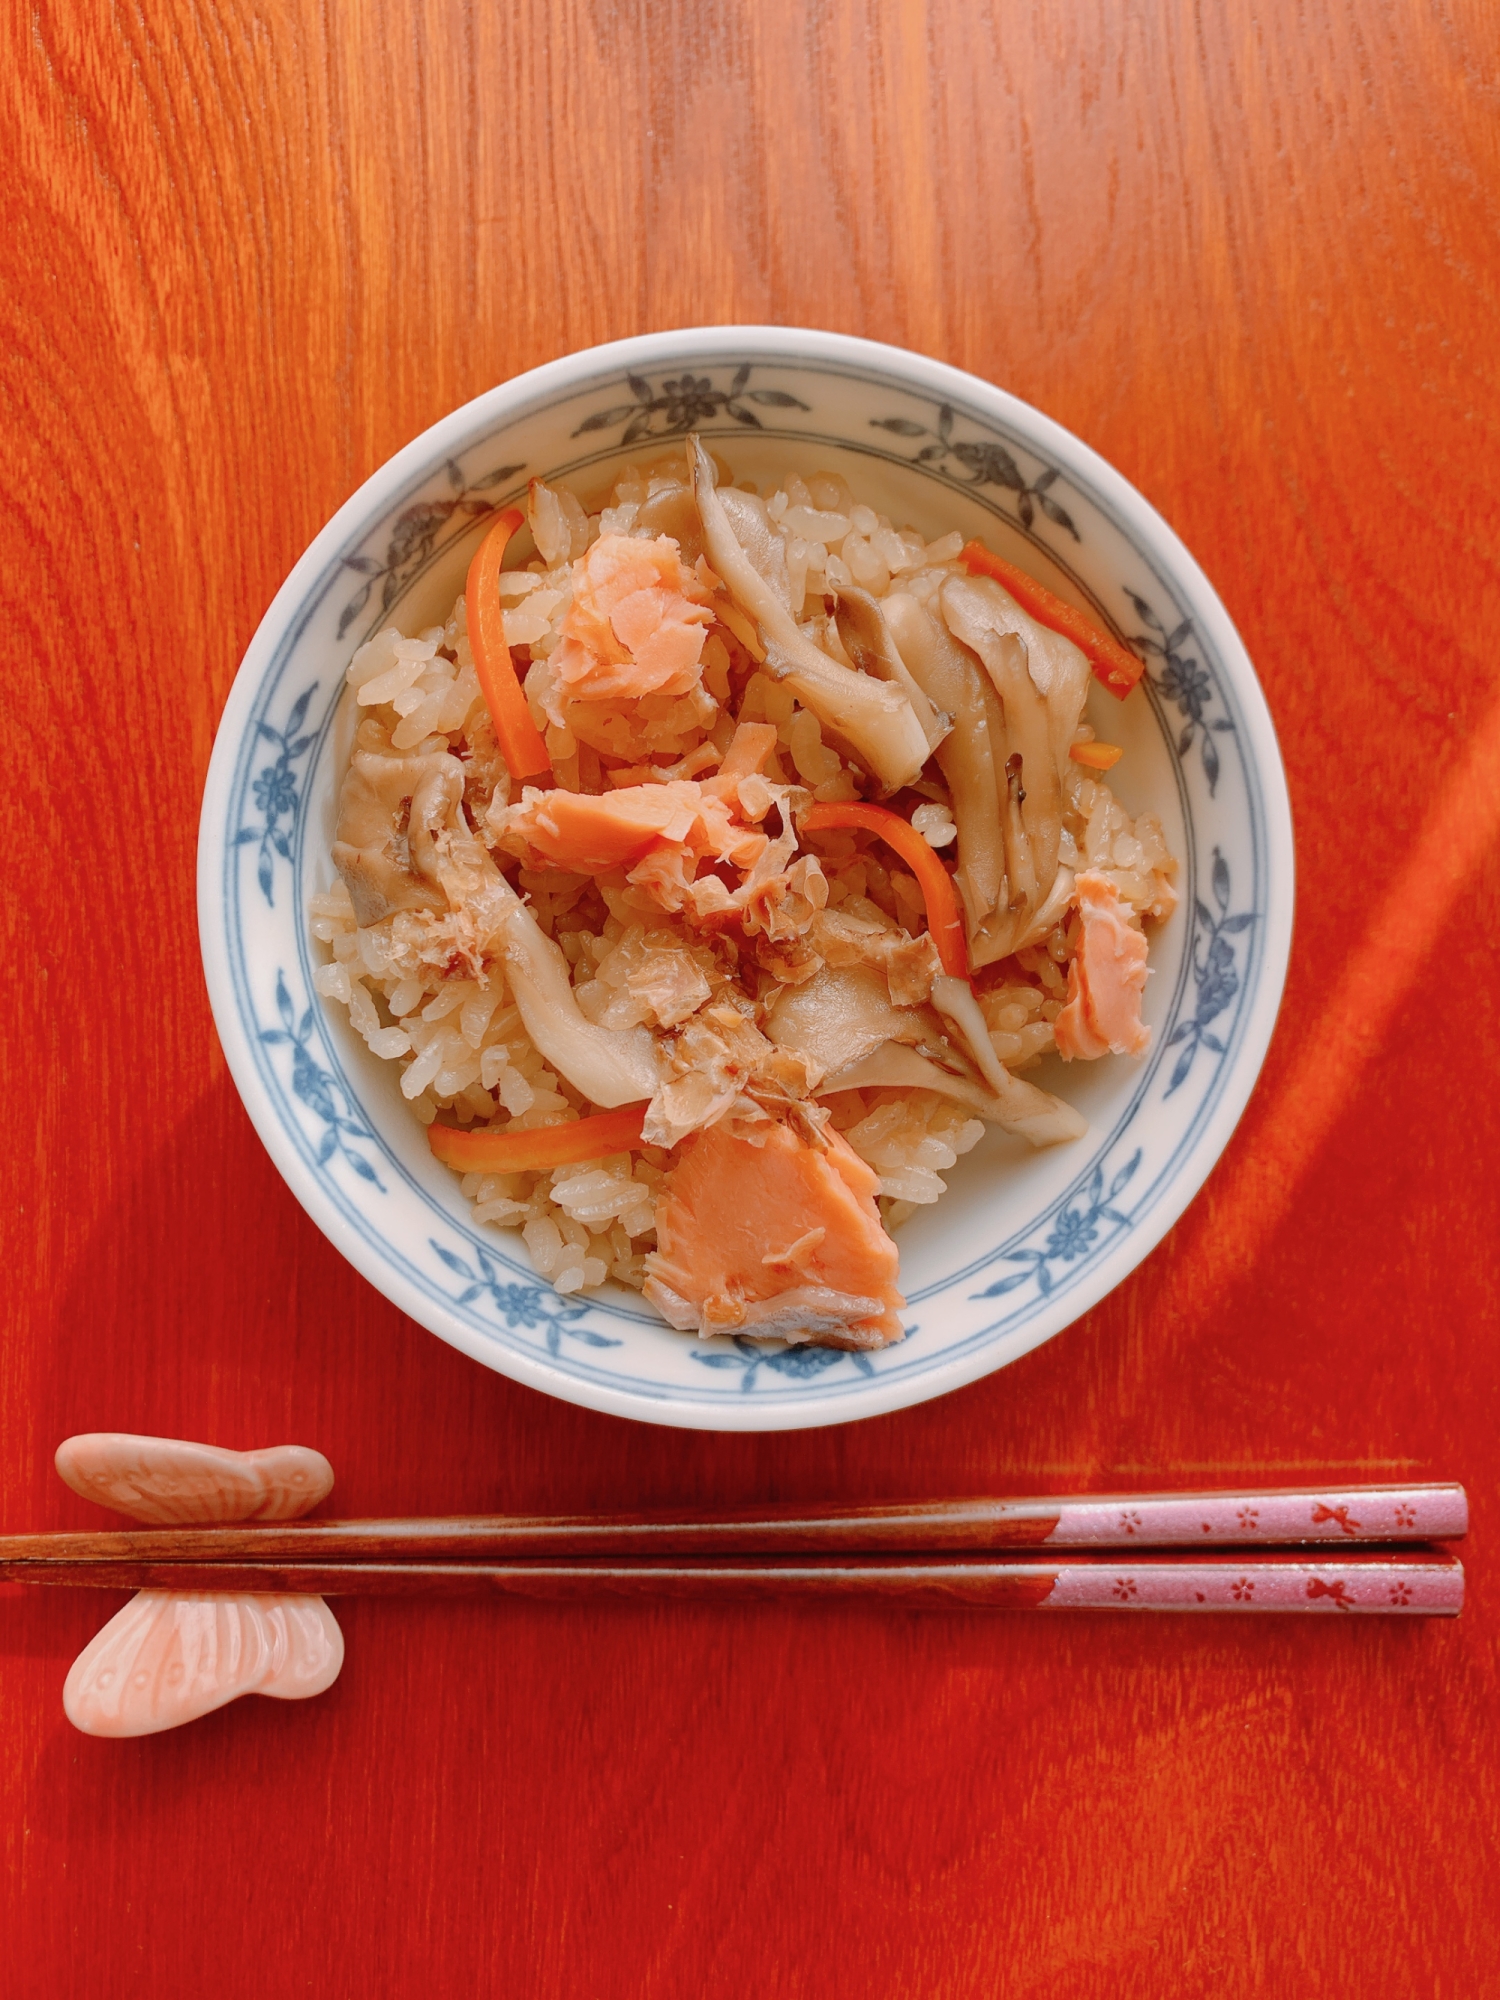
(1246, 249)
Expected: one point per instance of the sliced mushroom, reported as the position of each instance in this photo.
(1021, 855)
(559, 526)
(1032, 1114)
(610, 1066)
(868, 641)
(842, 1013)
(434, 809)
(1058, 668)
(388, 809)
(1050, 914)
(874, 718)
(751, 525)
(897, 1066)
(975, 611)
(673, 511)
(970, 758)
(1036, 1115)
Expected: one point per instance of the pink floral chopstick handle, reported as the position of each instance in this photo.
(1420, 1589)
(1338, 1515)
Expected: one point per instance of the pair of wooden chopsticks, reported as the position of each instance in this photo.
(1347, 1549)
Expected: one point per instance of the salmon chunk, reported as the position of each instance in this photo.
(579, 831)
(671, 827)
(779, 1241)
(1105, 980)
(637, 622)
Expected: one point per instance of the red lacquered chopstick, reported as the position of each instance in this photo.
(1416, 1585)
(926, 1553)
(1341, 1516)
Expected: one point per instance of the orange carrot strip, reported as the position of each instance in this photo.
(548, 1146)
(1118, 668)
(520, 742)
(933, 879)
(1097, 756)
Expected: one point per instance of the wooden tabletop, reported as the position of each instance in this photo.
(1247, 252)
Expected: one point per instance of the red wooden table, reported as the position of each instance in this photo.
(1248, 253)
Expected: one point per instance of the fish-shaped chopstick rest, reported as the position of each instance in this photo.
(170, 1656)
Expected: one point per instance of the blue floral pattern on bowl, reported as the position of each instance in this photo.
(1214, 974)
(1020, 1246)
(1071, 1233)
(275, 794)
(521, 1305)
(326, 1096)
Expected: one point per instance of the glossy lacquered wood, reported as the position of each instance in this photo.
(1247, 252)
(1414, 1583)
(1390, 1514)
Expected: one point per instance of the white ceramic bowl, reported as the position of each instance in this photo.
(1023, 1243)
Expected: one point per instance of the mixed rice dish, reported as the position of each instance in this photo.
(715, 873)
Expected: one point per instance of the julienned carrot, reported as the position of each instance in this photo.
(1096, 756)
(547, 1146)
(520, 741)
(1112, 663)
(938, 893)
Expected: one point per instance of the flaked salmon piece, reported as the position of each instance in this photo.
(1106, 979)
(585, 832)
(637, 622)
(659, 833)
(777, 1240)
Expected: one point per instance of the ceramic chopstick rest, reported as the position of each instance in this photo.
(168, 1481)
(170, 1656)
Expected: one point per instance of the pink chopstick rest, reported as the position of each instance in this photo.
(168, 1480)
(170, 1656)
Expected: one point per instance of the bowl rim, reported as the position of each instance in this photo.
(509, 402)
